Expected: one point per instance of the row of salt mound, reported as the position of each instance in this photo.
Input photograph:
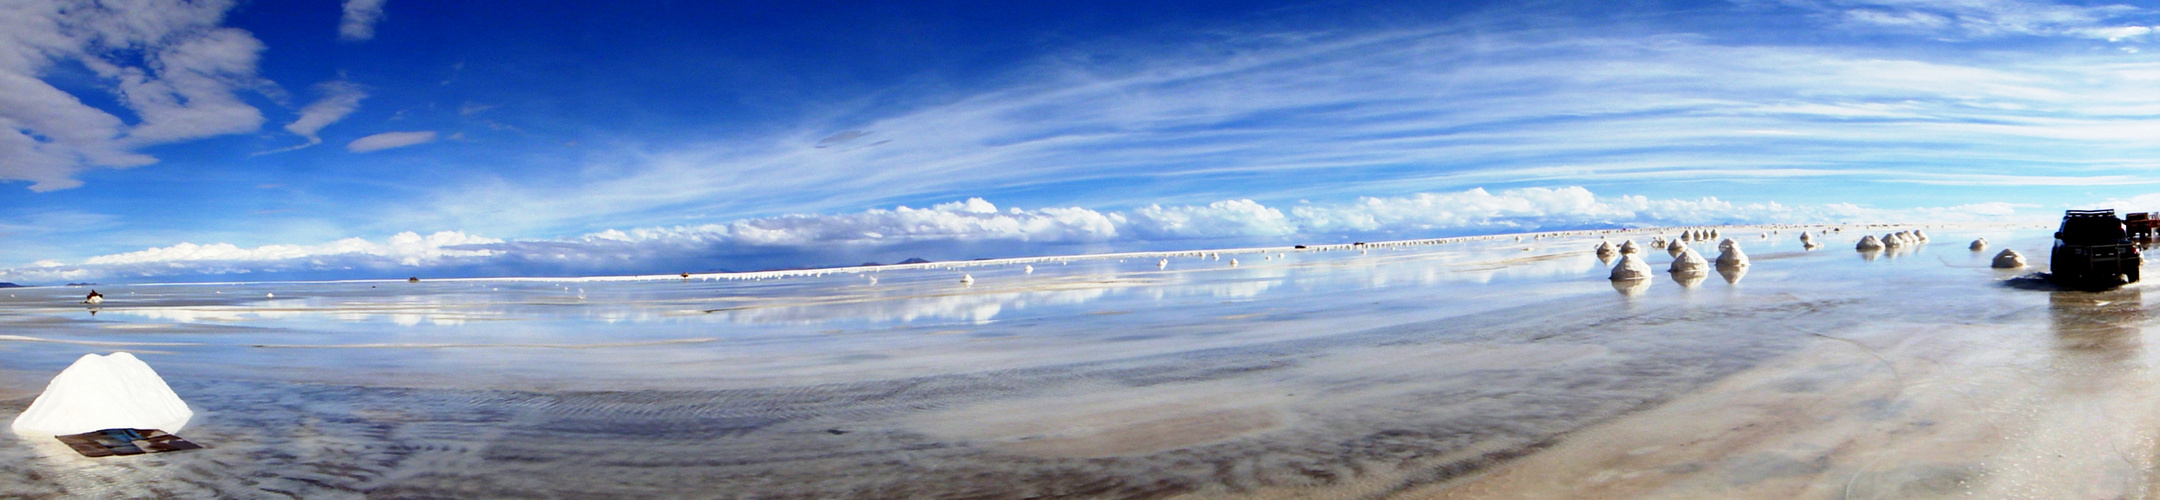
(1606, 248)
(1902, 238)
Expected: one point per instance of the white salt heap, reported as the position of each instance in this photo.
(1919, 236)
(1893, 240)
(1675, 248)
(1729, 254)
(2009, 259)
(967, 279)
(1629, 247)
(1631, 267)
(1605, 249)
(1979, 244)
(1689, 262)
(104, 392)
(1869, 243)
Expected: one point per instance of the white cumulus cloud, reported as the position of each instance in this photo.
(389, 140)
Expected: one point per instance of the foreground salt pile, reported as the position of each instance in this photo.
(2009, 259)
(104, 392)
(1690, 262)
(1631, 267)
(1629, 247)
(1869, 243)
(1729, 254)
(1675, 248)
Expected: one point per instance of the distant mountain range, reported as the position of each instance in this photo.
(4, 284)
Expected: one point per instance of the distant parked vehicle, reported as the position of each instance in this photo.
(2142, 225)
(2093, 250)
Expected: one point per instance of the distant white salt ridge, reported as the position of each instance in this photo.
(104, 392)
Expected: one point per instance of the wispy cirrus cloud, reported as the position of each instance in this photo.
(390, 140)
(358, 22)
(170, 64)
(1339, 115)
(338, 99)
(1989, 18)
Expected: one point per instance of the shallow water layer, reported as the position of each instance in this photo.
(1494, 368)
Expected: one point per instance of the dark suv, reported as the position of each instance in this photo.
(2093, 250)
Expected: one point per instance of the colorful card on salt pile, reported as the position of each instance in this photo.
(111, 442)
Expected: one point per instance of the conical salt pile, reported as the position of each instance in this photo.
(2009, 259)
(1979, 244)
(1629, 247)
(1631, 267)
(1675, 248)
(1869, 243)
(104, 392)
(1729, 254)
(1689, 262)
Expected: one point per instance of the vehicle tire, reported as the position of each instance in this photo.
(2131, 273)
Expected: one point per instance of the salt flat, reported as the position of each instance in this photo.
(1485, 368)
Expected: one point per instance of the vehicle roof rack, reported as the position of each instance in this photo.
(2109, 212)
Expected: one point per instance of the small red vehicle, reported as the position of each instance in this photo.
(2142, 225)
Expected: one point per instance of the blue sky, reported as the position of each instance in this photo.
(162, 141)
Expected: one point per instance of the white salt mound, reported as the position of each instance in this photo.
(1729, 254)
(1628, 247)
(1631, 267)
(1892, 240)
(1689, 262)
(1806, 237)
(1675, 248)
(104, 392)
(1921, 236)
(1979, 244)
(1605, 248)
(2009, 259)
(1869, 243)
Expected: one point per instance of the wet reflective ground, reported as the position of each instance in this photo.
(1468, 369)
